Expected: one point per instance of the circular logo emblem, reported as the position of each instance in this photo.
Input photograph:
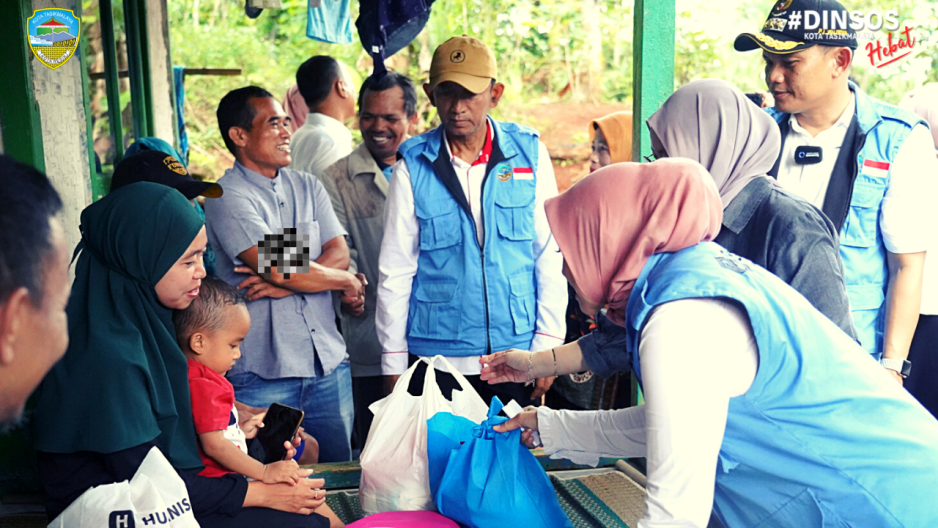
(457, 56)
(174, 165)
(503, 173)
(783, 5)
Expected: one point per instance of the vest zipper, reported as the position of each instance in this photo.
(485, 287)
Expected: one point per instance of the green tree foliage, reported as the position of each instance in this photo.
(547, 50)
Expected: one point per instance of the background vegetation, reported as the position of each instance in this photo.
(569, 53)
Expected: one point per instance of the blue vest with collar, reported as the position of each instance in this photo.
(468, 299)
(823, 437)
(884, 128)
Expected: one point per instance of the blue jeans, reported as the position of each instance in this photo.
(326, 400)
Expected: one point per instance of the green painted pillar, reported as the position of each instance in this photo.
(652, 80)
(19, 111)
(653, 66)
(138, 66)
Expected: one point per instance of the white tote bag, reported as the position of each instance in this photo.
(395, 476)
(156, 496)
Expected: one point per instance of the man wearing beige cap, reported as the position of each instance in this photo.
(467, 264)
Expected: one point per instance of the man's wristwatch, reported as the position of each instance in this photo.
(902, 366)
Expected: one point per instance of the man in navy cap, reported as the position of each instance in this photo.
(867, 164)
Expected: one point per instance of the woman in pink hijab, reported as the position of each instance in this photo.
(741, 375)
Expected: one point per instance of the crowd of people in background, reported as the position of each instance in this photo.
(763, 274)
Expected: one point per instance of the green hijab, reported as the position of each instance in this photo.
(123, 381)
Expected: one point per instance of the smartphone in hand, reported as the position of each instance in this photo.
(281, 424)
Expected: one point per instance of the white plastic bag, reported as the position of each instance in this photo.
(395, 476)
(156, 496)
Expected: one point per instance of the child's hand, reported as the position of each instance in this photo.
(251, 425)
(286, 471)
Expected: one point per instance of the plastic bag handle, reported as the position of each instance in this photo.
(463, 382)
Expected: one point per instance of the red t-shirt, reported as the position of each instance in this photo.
(213, 410)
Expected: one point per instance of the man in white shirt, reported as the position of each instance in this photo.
(468, 265)
(327, 88)
(867, 164)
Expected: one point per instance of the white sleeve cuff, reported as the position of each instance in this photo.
(393, 363)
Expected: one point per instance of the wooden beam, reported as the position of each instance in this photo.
(230, 72)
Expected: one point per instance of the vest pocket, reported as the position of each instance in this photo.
(803, 510)
(523, 303)
(863, 216)
(439, 224)
(435, 314)
(514, 214)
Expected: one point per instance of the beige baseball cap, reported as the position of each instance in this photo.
(466, 61)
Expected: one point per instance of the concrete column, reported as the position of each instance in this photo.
(60, 96)
(161, 71)
(653, 61)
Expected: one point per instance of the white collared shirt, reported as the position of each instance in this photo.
(400, 250)
(811, 181)
(319, 143)
(906, 217)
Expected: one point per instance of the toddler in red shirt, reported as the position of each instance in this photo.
(210, 333)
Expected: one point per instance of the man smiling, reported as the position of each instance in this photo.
(358, 185)
(294, 354)
(468, 265)
(867, 164)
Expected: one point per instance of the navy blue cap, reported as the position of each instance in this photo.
(158, 167)
(785, 30)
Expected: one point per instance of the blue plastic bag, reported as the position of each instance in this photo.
(485, 479)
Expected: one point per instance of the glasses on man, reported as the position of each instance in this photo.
(650, 158)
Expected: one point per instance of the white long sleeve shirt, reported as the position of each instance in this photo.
(400, 249)
(695, 355)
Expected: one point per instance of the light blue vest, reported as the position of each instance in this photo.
(861, 240)
(469, 300)
(823, 437)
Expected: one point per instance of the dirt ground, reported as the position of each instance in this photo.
(564, 130)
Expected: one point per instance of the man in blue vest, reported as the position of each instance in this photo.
(867, 164)
(467, 264)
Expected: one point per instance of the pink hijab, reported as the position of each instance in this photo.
(609, 224)
(295, 107)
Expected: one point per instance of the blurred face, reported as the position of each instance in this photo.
(461, 111)
(266, 147)
(384, 123)
(180, 286)
(587, 306)
(219, 350)
(600, 156)
(33, 338)
(801, 81)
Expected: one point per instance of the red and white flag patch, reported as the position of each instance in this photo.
(875, 168)
(523, 173)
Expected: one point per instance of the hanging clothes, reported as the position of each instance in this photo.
(388, 26)
(179, 78)
(329, 21)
